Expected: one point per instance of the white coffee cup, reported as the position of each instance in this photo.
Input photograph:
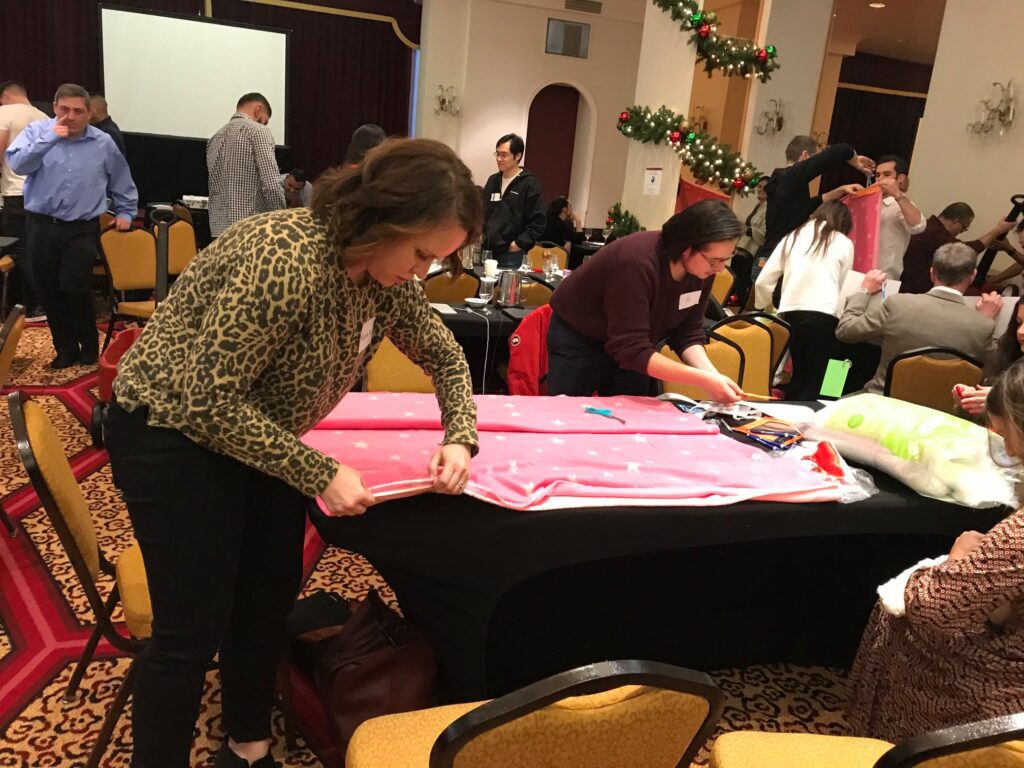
(490, 267)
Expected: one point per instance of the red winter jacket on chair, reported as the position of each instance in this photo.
(528, 354)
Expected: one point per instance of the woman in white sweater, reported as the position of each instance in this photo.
(812, 262)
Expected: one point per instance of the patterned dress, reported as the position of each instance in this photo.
(946, 662)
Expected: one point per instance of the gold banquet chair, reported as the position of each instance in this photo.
(722, 285)
(181, 246)
(757, 343)
(534, 293)
(613, 713)
(993, 743)
(724, 354)
(927, 376)
(51, 476)
(440, 287)
(389, 370)
(130, 259)
(536, 256)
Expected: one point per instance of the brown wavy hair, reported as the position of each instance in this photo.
(403, 187)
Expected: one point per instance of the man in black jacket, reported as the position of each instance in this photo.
(789, 201)
(513, 205)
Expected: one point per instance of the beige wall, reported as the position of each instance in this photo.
(799, 29)
(497, 47)
(949, 163)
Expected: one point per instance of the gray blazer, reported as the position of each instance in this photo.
(909, 321)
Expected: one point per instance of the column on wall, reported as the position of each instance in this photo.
(444, 47)
(664, 76)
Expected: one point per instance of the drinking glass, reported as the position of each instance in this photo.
(606, 232)
(486, 288)
(550, 264)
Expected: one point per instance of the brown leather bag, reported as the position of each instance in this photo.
(376, 665)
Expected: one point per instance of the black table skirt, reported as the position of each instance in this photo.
(509, 597)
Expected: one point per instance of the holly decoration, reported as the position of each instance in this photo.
(622, 222)
(731, 55)
(711, 163)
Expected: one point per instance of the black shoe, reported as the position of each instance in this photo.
(63, 360)
(228, 759)
(88, 357)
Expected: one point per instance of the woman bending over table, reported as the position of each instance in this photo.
(1008, 350)
(956, 654)
(261, 336)
(609, 315)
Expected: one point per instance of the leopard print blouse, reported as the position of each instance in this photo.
(259, 339)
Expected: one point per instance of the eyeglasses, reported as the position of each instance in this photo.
(503, 155)
(715, 263)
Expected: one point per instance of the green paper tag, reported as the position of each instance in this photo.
(835, 378)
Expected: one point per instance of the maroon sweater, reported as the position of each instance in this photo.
(625, 297)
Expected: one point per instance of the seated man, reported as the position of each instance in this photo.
(955, 219)
(939, 318)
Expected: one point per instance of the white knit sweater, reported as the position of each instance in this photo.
(810, 281)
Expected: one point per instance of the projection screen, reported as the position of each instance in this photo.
(173, 76)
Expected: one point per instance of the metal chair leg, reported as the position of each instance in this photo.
(11, 530)
(83, 662)
(110, 721)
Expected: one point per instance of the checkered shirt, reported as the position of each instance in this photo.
(244, 178)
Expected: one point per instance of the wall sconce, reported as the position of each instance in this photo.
(771, 120)
(447, 101)
(999, 110)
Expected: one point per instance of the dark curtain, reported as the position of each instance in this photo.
(341, 72)
(875, 124)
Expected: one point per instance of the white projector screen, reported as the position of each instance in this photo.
(171, 76)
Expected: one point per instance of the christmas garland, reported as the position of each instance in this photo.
(622, 222)
(733, 55)
(708, 161)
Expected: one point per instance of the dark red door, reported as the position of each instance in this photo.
(551, 136)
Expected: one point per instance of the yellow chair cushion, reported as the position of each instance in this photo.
(56, 471)
(403, 740)
(131, 583)
(749, 749)
(136, 308)
(1008, 755)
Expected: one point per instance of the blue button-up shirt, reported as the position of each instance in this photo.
(69, 178)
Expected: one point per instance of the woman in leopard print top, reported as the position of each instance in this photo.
(261, 336)
(957, 654)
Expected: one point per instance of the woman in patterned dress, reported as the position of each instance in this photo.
(261, 336)
(957, 653)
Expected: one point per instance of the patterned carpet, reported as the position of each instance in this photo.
(44, 618)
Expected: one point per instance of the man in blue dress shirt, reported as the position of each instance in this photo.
(69, 167)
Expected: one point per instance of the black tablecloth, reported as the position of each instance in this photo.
(509, 597)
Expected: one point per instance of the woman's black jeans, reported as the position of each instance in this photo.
(222, 546)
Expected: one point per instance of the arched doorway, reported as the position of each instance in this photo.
(551, 138)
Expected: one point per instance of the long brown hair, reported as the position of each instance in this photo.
(402, 187)
(1006, 398)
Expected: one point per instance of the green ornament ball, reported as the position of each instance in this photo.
(691, 137)
(696, 17)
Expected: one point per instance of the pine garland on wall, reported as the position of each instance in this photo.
(710, 163)
(622, 222)
(731, 55)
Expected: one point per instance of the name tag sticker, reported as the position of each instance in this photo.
(495, 197)
(689, 299)
(366, 335)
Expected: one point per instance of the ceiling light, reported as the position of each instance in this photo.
(876, 5)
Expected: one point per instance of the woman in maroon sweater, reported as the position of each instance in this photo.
(610, 314)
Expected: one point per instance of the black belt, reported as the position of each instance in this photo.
(55, 220)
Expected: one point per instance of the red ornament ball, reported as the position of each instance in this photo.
(675, 136)
(738, 183)
(762, 55)
(609, 221)
(704, 30)
(623, 117)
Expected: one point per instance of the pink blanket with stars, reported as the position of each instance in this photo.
(549, 453)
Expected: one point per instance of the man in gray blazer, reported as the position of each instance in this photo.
(939, 318)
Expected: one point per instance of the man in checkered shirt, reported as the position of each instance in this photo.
(244, 178)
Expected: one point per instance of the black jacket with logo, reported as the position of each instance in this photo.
(518, 216)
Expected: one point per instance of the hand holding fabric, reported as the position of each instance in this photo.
(346, 495)
(449, 467)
